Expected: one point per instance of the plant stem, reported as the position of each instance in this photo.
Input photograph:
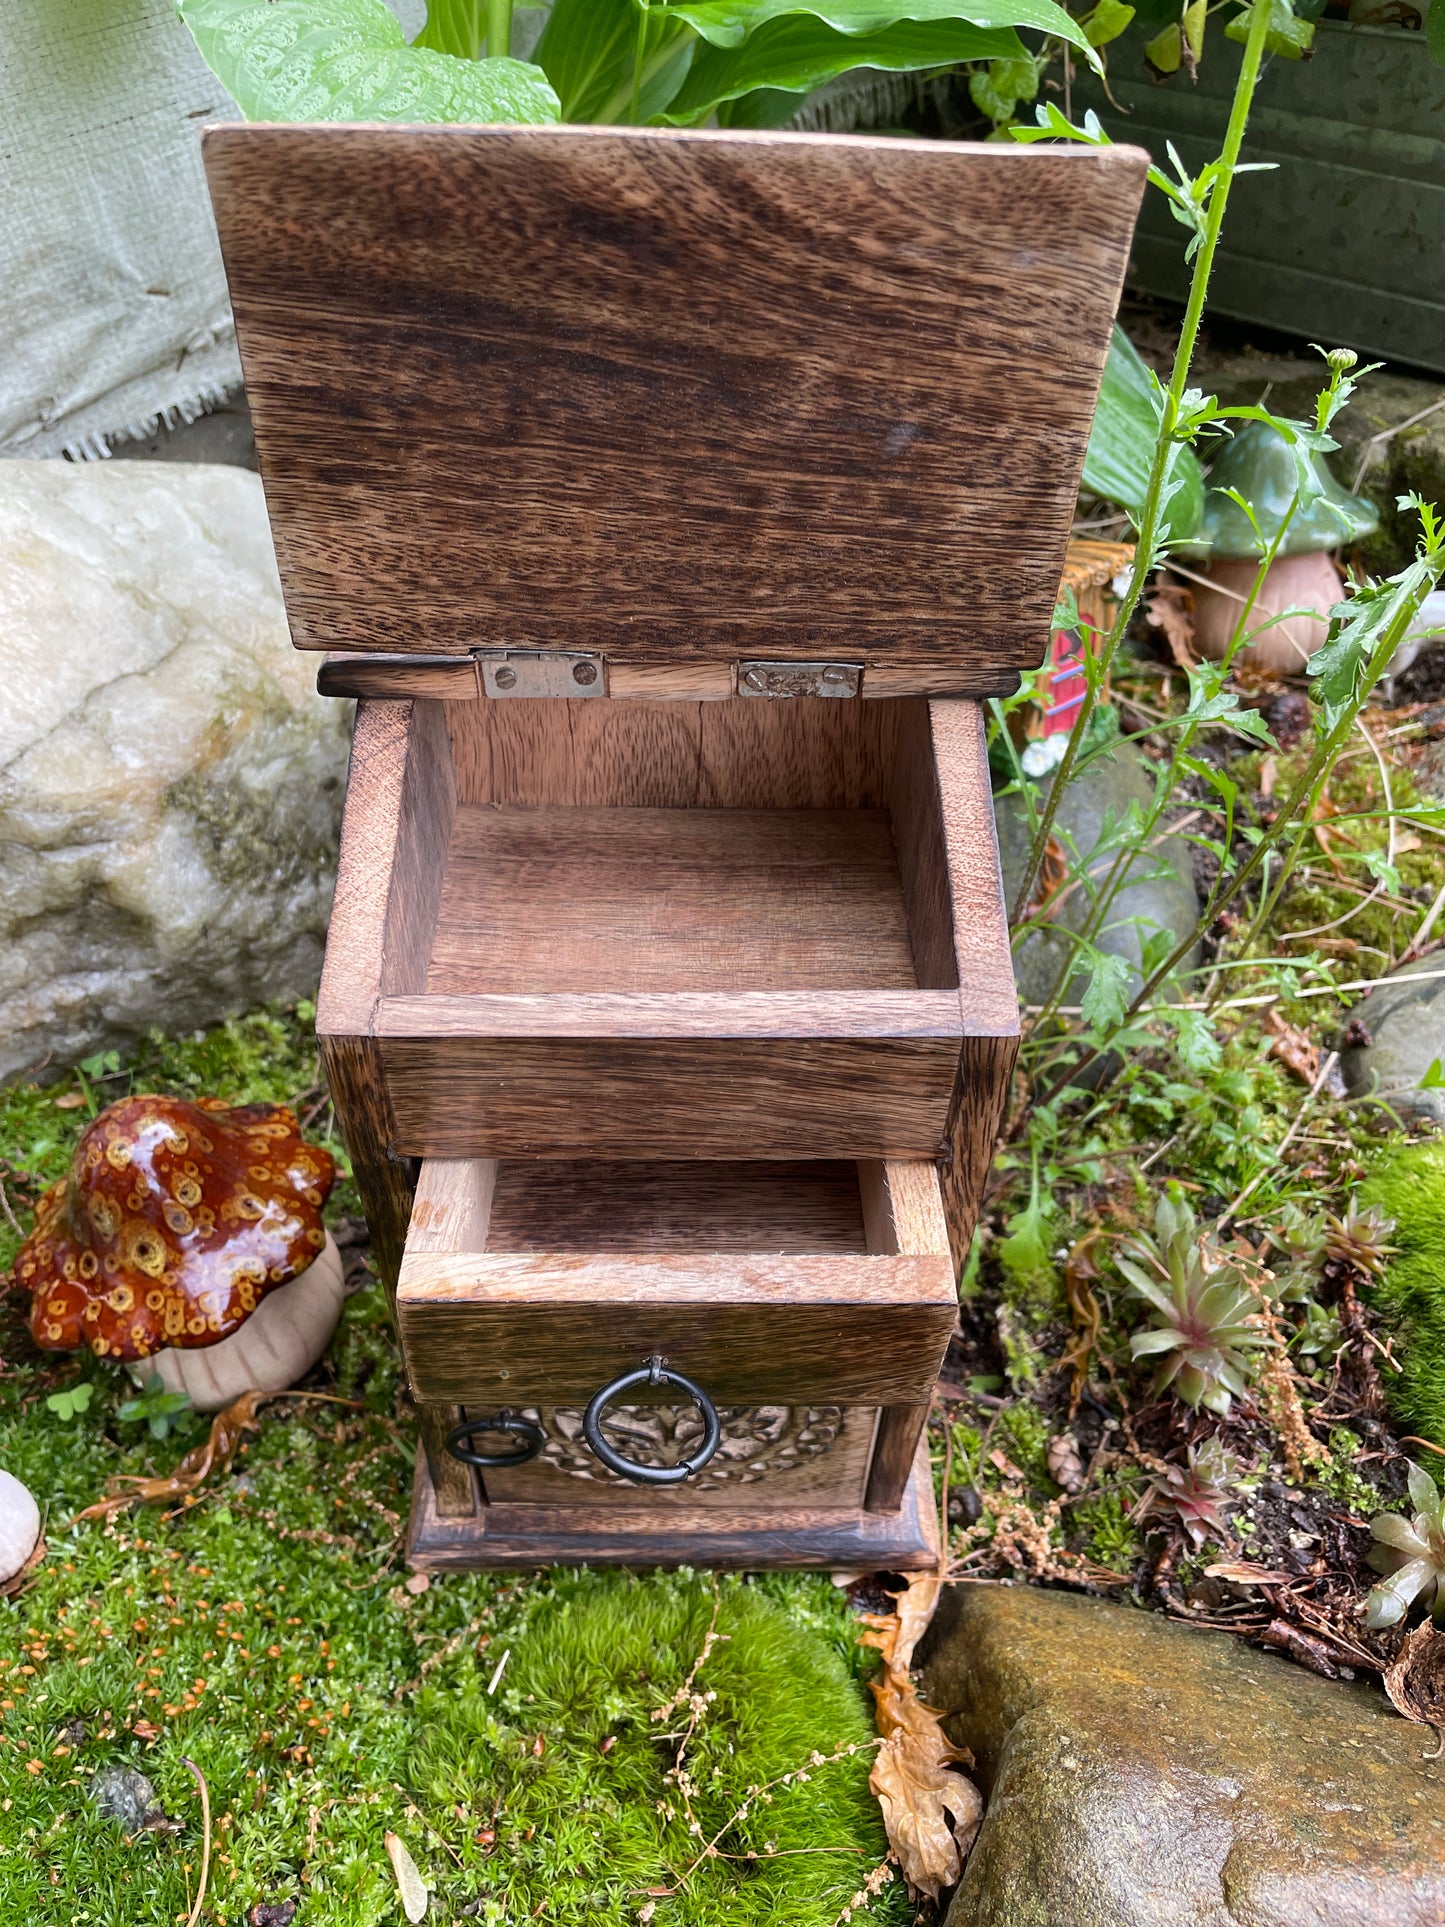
(1164, 445)
(1319, 767)
(499, 28)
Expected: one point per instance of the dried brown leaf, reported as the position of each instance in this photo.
(913, 1778)
(1416, 1681)
(194, 1469)
(1171, 608)
(412, 1887)
(1293, 1049)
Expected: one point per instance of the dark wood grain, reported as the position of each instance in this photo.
(528, 1536)
(673, 397)
(456, 1489)
(896, 1447)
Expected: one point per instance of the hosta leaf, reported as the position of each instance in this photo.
(588, 51)
(798, 53)
(728, 23)
(310, 60)
(1121, 446)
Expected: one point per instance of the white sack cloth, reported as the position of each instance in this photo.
(113, 307)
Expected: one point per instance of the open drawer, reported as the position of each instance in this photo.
(808, 1305)
(732, 929)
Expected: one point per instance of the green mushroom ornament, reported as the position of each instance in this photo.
(1290, 617)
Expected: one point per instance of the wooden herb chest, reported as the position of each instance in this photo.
(669, 501)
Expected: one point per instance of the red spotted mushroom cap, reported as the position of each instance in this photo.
(175, 1221)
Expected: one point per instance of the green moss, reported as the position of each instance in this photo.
(1343, 1482)
(587, 1824)
(1370, 938)
(264, 1632)
(1408, 1183)
(1110, 1536)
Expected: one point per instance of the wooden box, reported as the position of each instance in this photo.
(628, 930)
(811, 1301)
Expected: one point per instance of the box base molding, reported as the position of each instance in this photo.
(525, 1537)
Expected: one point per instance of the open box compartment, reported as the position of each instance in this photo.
(627, 930)
(812, 1300)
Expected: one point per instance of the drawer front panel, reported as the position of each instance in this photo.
(554, 1329)
(772, 1457)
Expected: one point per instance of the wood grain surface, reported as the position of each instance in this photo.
(584, 899)
(811, 1537)
(671, 397)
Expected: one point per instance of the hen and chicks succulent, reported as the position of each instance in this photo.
(1411, 1554)
(1205, 1323)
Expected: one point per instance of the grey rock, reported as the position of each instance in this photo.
(1405, 1019)
(1140, 1773)
(170, 783)
(124, 1795)
(1158, 891)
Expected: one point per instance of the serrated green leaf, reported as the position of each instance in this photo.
(347, 60)
(798, 53)
(1106, 995)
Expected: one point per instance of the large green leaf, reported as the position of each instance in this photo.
(797, 53)
(348, 60)
(588, 51)
(1121, 446)
(728, 23)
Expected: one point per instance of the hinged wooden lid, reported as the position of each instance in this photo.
(672, 398)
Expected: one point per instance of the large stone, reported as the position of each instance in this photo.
(170, 783)
(1158, 891)
(1405, 1020)
(1140, 1773)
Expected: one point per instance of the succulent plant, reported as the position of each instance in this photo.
(1195, 1492)
(1300, 1243)
(1206, 1318)
(1359, 1239)
(1411, 1552)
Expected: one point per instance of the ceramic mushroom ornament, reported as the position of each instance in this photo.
(1260, 464)
(189, 1236)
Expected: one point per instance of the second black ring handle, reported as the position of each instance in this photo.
(653, 1373)
(531, 1436)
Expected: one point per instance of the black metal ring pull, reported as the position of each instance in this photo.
(653, 1374)
(531, 1437)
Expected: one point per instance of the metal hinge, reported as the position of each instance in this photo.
(541, 672)
(801, 678)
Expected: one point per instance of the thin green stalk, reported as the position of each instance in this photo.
(1169, 418)
(499, 27)
(1222, 896)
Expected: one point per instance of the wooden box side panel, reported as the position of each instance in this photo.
(801, 753)
(460, 1096)
(423, 310)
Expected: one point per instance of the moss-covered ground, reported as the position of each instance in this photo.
(506, 1729)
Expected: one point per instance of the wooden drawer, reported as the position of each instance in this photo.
(812, 1301)
(744, 928)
